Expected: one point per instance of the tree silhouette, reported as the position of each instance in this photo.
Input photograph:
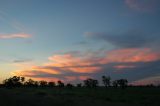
(115, 83)
(122, 83)
(60, 84)
(79, 85)
(14, 81)
(69, 86)
(22, 79)
(51, 84)
(43, 83)
(106, 81)
(31, 83)
(90, 83)
(17, 81)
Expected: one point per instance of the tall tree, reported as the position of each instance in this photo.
(106, 81)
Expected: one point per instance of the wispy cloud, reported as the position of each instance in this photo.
(120, 67)
(12, 36)
(12, 22)
(146, 81)
(142, 5)
(128, 39)
(21, 60)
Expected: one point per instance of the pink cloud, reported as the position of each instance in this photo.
(74, 63)
(131, 55)
(60, 65)
(17, 35)
(119, 67)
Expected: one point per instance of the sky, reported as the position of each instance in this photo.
(71, 40)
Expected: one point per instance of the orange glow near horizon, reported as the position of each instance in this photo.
(46, 79)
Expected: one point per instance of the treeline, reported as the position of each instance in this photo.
(17, 81)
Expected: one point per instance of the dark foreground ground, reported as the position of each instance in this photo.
(79, 97)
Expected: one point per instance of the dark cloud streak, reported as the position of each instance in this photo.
(129, 39)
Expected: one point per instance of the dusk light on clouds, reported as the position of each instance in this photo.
(71, 41)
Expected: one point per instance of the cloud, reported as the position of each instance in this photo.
(146, 81)
(11, 21)
(142, 5)
(82, 43)
(120, 67)
(128, 39)
(22, 60)
(131, 55)
(16, 35)
(75, 67)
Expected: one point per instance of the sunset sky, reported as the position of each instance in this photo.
(71, 40)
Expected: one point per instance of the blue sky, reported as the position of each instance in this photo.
(60, 27)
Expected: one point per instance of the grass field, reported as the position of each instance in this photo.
(80, 97)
